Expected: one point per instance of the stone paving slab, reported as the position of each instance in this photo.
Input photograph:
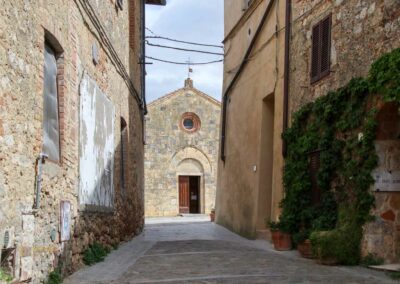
(203, 252)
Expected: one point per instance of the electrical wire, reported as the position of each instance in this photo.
(182, 49)
(90, 12)
(156, 36)
(153, 33)
(185, 42)
(184, 63)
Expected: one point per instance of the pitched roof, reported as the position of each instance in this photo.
(178, 91)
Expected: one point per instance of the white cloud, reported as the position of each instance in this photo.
(190, 20)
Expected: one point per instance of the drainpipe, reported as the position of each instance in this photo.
(143, 71)
(237, 75)
(286, 73)
(143, 77)
(39, 162)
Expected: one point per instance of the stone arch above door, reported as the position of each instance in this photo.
(190, 167)
(190, 153)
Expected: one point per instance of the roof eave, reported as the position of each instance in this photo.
(156, 2)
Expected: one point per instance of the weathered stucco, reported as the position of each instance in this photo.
(250, 180)
(24, 27)
(171, 152)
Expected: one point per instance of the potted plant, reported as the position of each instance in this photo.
(324, 246)
(304, 246)
(281, 239)
(212, 215)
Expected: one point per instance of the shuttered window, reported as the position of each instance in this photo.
(321, 49)
(314, 168)
(51, 127)
(123, 145)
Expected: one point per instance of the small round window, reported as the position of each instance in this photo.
(190, 122)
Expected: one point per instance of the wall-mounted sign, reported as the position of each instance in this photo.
(65, 221)
(386, 181)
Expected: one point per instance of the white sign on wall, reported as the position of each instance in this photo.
(65, 222)
(386, 181)
(96, 154)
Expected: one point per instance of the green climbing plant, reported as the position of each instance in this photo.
(341, 126)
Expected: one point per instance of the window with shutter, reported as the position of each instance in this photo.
(314, 168)
(321, 49)
(123, 146)
(132, 24)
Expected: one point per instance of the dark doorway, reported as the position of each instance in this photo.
(189, 194)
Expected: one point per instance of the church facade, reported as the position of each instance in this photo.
(182, 140)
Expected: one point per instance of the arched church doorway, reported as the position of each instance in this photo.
(190, 174)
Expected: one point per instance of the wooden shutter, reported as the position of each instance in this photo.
(314, 168)
(325, 29)
(315, 54)
(321, 49)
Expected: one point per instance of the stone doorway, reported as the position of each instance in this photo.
(189, 194)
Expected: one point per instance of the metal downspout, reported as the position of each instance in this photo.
(286, 73)
(235, 78)
(143, 71)
(143, 14)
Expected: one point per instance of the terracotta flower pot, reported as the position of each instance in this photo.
(212, 216)
(305, 249)
(282, 241)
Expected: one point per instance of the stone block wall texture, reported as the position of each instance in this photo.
(24, 26)
(170, 150)
(362, 30)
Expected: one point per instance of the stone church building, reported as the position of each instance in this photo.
(182, 131)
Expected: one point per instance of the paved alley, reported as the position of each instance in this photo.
(192, 250)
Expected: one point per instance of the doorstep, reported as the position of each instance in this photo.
(387, 267)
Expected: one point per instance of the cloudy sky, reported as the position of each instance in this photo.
(188, 20)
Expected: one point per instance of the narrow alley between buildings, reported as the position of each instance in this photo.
(199, 141)
(194, 250)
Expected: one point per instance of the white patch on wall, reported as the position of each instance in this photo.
(96, 152)
(65, 220)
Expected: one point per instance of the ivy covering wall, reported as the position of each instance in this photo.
(342, 127)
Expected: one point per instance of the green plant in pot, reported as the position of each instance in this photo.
(304, 246)
(280, 238)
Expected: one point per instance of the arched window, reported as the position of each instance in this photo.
(53, 98)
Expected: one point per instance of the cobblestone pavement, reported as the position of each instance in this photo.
(202, 252)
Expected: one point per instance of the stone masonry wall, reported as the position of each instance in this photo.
(23, 28)
(167, 146)
(362, 30)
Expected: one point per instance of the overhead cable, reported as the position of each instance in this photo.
(105, 40)
(185, 42)
(183, 49)
(184, 63)
(150, 31)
